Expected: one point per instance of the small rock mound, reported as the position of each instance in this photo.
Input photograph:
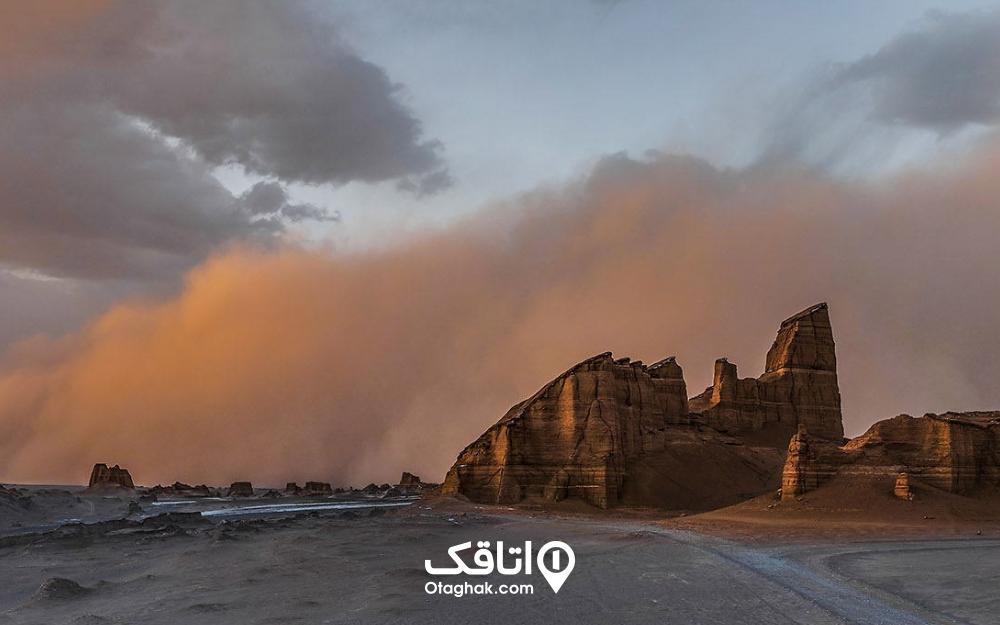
(60, 588)
(180, 489)
(902, 488)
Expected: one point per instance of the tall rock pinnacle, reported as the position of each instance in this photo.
(799, 385)
(805, 341)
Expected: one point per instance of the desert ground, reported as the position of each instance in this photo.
(757, 563)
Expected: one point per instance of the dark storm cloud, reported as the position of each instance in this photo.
(270, 198)
(267, 86)
(114, 114)
(85, 192)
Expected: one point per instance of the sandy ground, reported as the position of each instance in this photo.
(328, 566)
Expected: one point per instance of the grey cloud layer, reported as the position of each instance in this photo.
(112, 121)
(943, 76)
(87, 193)
(269, 87)
(270, 198)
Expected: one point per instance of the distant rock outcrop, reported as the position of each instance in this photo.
(317, 488)
(408, 479)
(240, 489)
(180, 489)
(955, 452)
(612, 430)
(103, 476)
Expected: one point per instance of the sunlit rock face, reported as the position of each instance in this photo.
(574, 436)
(799, 385)
(956, 452)
(953, 451)
(609, 431)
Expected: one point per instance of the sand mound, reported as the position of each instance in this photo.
(855, 507)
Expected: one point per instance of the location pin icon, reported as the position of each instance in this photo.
(556, 577)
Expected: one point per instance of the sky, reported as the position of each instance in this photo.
(336, 241)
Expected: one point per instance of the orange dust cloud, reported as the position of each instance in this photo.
(294, 364)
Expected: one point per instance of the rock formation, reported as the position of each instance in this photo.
(408, 479)
(317, 488)
(810, 462)
(59, 588)
(612, 430)
(575, 436)
(240, 489)
(902, 487)
(180, 489)
(102, 476)
(955, 452)
(799, 385)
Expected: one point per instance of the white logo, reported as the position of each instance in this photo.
(510, 561)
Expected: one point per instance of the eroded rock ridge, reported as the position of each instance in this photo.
(955, 452)
(612, 430)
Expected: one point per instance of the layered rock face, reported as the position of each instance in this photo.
(574, 436)
(955, 452)
(102, 475)
(799, 385)
(608, 430)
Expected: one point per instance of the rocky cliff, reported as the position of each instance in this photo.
(612, 430)
(575, 435)
(956, 452)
